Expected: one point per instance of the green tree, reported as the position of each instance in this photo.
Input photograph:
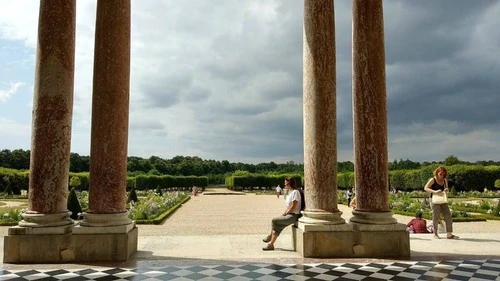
(5, 158)
(346, 166)
(78, 164)
(20, 159)
(451, 160)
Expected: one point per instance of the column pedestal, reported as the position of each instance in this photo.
(322, 234)
(381, 241)
(106, 220)
(351, 240)
(105, 237)
(372, 217)
(100, 237)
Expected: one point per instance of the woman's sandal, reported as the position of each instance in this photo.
(436, 236)
(269, 247)
(267, 239)
(452, 237)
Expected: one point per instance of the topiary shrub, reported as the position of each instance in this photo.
(158, 191)
(75, 182)
(74, 204)
(132, 196)
(453, 191)
(7, 191)
(497, 183)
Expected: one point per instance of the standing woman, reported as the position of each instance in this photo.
(289, 216)
(438, 187)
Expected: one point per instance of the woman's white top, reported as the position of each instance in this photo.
(278, 188)
(293, 195)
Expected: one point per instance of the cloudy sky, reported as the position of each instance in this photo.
(223, 79)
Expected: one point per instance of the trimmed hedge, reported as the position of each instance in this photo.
(144, 182)
(19, 180)
(461, 177)
(259, 180)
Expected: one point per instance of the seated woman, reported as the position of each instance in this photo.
(290, 215)
(418, 225)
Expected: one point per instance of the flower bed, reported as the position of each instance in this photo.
(154, 208)
(151, 209)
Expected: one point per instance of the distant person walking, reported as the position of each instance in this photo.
(349, 194)
(438, 187)
(291, 214)
(278, 191)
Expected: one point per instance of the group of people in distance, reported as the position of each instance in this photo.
(436, 186)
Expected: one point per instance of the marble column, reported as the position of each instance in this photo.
(51, 123)
(319, 90)
(370, 114)
(110, 115)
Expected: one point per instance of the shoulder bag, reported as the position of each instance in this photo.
(439, 198)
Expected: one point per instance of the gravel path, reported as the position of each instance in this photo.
(220, 215)
(13, 203)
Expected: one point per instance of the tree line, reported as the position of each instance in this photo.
(19, 159)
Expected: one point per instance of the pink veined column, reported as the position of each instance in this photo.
(110, 114)
(320, 140)
(52, 113)
(370, 113)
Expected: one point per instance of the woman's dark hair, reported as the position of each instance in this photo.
(291, 182)
(418, 215)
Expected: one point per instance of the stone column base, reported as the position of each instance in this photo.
(105, 247)
(352, 241)
(70, 247)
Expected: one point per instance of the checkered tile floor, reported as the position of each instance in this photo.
(403, 270)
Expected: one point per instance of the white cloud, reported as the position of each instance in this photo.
(19, 21)
(6, 94)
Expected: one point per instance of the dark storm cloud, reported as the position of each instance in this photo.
(429, 30)
(462, 91)
(433, 69)
(238, 75)
(266, 140)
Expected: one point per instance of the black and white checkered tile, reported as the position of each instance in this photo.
(403, 270)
